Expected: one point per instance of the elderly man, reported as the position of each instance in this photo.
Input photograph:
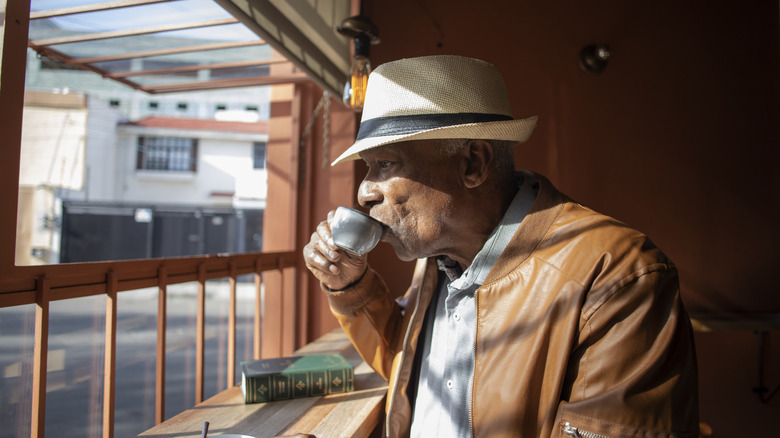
(528, 314)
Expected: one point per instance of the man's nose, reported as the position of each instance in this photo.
(369, 194)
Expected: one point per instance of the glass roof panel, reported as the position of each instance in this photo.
(144, 43)
(156, 41)
(145, 15)
(197, 58)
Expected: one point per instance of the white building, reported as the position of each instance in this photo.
(174, 186)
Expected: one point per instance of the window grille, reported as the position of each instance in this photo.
(172, 154)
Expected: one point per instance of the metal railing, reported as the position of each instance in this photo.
(63, 282)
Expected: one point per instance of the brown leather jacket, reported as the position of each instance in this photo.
(580, 332)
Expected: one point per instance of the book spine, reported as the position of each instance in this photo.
(281, 386)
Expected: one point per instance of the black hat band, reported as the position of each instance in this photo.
(410, 124)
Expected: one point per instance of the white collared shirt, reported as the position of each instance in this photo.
(442, 404)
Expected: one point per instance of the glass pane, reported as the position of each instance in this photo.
(245, 321)
(74, 382)
(136, 362)
(177, 39)
(217, 308)
(160, 14)
(17, 334)
(217, 304)
(180, 348)
(87, 192)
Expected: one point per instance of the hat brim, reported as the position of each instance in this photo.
(509, 130)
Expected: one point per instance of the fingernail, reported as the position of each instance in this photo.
(333, 254)
(334, 269)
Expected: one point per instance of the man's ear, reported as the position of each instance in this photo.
(478, 156)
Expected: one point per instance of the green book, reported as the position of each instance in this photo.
(284, 378)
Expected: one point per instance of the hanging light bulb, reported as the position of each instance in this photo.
(364, 33)
(357, 81)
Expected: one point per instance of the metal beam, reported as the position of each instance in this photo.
(196, 67)
(132, 32)
(163, 52)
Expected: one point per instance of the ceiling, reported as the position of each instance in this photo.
(163, 46)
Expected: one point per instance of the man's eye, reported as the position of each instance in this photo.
(383, 164)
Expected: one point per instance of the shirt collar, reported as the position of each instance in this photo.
(498, 240)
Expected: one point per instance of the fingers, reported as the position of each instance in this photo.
(329, 264)
(318, 256)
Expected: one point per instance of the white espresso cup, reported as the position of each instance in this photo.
(355, 231)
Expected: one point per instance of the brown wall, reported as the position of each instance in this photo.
(677, 137)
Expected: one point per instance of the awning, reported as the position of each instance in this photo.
(161, 46)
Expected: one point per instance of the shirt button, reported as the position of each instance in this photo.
(456, 316)
(450, 384)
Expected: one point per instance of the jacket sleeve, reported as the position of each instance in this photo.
(370, 317)
(633, 371)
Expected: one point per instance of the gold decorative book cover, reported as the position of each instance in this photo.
(284, 378)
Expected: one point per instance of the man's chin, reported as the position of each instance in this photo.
(402, 252)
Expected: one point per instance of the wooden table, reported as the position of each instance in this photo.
(353, 414)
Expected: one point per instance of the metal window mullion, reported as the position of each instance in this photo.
(40, 358)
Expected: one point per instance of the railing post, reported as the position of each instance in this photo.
(231, 353)
(162, 312)
(40, 358)
(273, 312)
(200, 341)
(257, 333)
(290, 310)
(109, 378)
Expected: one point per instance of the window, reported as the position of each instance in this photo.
(114, 103)
(154, 105)
(167, 153)
(251, 108)
(221, 107)
(182, 106)
(259, 155)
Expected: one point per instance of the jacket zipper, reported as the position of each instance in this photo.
(474, 365)
(570, 430)
(406, 340)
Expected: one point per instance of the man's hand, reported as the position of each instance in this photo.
(333, 267)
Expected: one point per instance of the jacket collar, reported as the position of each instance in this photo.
(548, 204)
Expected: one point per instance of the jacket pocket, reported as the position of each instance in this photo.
(573, 431)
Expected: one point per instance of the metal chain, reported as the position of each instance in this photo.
(326, 131)
(324, 103)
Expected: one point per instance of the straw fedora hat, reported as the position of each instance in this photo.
(436, 97)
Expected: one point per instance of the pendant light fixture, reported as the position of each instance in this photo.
(364, 33)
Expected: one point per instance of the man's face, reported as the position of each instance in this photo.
(413, 189)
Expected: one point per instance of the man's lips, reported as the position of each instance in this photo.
(385, 228)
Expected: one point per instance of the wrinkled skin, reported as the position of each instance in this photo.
(431, 204)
